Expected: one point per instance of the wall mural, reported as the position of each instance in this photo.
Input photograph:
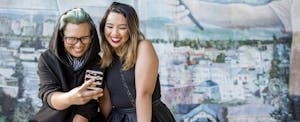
(220, 60)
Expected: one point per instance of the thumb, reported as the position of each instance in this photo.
(86, 84)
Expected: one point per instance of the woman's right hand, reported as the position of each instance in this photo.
(81, 94)
(77, 96)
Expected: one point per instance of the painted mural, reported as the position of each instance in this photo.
(220, 60)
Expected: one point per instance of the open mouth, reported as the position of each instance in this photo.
(115, 40)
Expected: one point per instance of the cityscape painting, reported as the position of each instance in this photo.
(219, 60)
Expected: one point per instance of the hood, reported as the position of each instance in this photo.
(56, 45)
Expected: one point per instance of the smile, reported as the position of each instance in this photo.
(115, 40)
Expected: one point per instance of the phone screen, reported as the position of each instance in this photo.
(97, 75)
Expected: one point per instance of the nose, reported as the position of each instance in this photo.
(115, 32)
(79, 42)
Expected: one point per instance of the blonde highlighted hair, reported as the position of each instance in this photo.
(128, 51)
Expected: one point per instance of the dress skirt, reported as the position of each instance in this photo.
(160, 113)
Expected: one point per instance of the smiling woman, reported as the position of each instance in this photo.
(116, 30)
(132, 91)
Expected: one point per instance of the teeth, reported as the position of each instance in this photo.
(78, 50)
(115, 39)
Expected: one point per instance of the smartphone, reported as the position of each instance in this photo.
(97, 75)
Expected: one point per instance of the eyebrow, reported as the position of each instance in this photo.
(118, 25)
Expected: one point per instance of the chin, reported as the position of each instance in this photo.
(115, 46)
(77, 55)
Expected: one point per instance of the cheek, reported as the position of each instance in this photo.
(87, 47)
(125, 34)
(106, 32)
(66, 46)
(68, 49)
(107, 36)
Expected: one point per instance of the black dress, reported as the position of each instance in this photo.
(121, 86)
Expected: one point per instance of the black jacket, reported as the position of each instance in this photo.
(57, 75)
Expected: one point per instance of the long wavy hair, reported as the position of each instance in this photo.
(128, 50)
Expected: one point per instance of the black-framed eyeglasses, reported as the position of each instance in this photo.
(74, 40)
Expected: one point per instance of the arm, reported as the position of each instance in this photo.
(105, 103)
(146, 70)
(77, 96)
(50, 90)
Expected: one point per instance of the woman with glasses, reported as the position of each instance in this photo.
(73, 49)
(132, 91)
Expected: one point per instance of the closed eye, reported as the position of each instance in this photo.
(123, 28)
(108, 26)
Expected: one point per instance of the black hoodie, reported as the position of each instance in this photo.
(57, 75)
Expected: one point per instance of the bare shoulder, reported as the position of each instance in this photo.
(145, 45)
(146, 50)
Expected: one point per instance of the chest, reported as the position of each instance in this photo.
(114, 73)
